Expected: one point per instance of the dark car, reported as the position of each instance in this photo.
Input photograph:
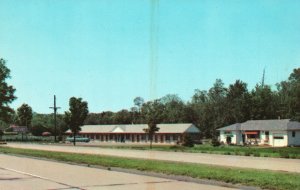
(78, 139)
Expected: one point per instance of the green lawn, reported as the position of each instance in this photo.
(260, 178)
(284, 152)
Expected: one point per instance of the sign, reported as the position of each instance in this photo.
(19, 129)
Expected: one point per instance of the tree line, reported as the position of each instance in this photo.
(208, 109)
(217, 107)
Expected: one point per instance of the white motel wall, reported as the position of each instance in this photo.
(276, 133)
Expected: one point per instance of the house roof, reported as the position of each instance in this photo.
(233, 127)
(264, 125)
(139, 128)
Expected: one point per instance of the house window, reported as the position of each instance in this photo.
(278, 137)
(293, 133)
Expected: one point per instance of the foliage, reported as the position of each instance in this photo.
(24, 115)
(187, 141)
(76, 115)
(215, 142)
(7, 93)
(153, 115)
(38, 129)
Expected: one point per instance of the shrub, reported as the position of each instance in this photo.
(215, 142)
(247, 153)
(256, 154)
(284, 154)
(188, 141)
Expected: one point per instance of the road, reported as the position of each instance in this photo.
(277, 164)
(32, 174)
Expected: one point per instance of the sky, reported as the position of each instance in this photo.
(109, 52)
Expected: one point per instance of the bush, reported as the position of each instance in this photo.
(256, 154)
(247, 153)
(188, 141)
(215, 142)
(284, 154)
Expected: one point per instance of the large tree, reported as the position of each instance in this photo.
(238, 103)
(76, 115)
(263, 103)
(289, 96)
(174, 109)
(7, 93)
(152, 111)
(24, 115)
(216, 108)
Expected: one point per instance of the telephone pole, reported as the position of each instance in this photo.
(55, 111)
(263, 78)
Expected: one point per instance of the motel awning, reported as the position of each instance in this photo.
(251, 132)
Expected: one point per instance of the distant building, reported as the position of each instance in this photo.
(168, 133)
(277, 133)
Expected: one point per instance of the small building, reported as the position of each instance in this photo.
(134, 133)
(276, 133)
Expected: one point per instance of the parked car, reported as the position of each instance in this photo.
(78, 139)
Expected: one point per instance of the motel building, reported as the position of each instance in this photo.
(134, 133)
(276, 133)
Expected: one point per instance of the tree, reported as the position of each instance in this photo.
(263, 103)
(152, 111)
(238, 103)
(7, 93)
(24, 115)
(76, 115)
(175, 109)
(3, 126)
(123, 117)
(138, 102)
(216, 108)
(289, 96)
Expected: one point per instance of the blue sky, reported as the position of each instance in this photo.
(109, 52)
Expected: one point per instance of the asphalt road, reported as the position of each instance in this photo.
(277, 164)
(20, 173)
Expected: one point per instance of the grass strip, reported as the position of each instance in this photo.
(260, 178)
(275, 152)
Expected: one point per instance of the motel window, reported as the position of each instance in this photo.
(167, 137)
(175, 137)
(293, 133)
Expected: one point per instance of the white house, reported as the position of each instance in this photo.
(168, 133)
(277, 133)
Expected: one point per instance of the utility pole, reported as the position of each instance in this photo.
(55, 111)
(263, 78)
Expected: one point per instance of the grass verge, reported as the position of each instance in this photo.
(260, 178)
(275, 152)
